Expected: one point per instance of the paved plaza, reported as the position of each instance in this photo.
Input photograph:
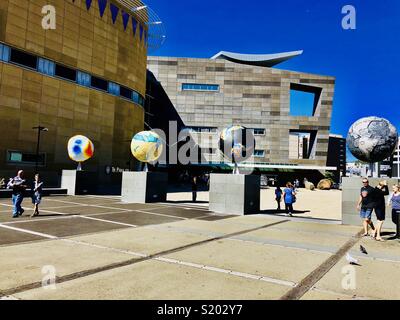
(101, 248)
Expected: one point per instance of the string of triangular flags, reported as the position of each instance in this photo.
(115, 10)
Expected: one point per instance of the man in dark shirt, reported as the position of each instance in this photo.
(366, 205)
(18, 186)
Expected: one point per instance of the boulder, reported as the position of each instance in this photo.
(310, 186)
(325, 184)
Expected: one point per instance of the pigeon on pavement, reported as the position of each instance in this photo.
(351, 260)
(363, 250)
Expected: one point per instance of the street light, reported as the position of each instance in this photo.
(39, 129)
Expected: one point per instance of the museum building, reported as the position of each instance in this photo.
(289, 112)
(87, 76)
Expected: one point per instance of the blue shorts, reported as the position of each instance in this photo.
(366, 214)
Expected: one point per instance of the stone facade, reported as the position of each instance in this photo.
(255, 97)
(83, 41)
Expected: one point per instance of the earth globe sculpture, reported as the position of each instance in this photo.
(372, 139)
(80, 149)
(237, 144)
(147, 147)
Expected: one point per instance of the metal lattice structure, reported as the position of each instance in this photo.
(156, 28)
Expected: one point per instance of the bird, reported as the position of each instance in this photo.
(363, 250)
(351, 260)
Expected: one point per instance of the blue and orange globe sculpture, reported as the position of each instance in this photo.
(147, 146)
(80, 148)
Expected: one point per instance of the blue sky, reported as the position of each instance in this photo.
(365, 61)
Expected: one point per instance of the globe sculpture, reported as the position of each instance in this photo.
(80, 149)
(237, 144)
(372, 139)
(147, 147)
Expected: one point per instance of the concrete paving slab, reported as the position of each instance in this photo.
(220, 227)
(134, 206)
(137, 218)
(8, 237)
(374, 279)
(68, 227)
(306, 240)
(314, 227)
(181, 212)
(22, 265)
(142, 240)
(215, 218)
(82, 210)
(327, 296)
(7, 216)
(258, 259)
(159, 280)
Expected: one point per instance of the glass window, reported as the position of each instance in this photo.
(259, 153)
(99, 83)
(84, 79)
(199, 87)
(135, 97)
(46, 66)
(259, 132)
(65, 72)
(4, 53)
(23, 59)
(26, 158)
(114, 88)
(126, 93)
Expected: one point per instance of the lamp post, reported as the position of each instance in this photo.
(39, 129)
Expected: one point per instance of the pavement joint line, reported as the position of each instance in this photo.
(336, 234)
(38, 220)
(317, 274)
(117, 265)
(283, 246)
(43, 235)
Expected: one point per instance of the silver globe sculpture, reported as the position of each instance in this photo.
(372, 139)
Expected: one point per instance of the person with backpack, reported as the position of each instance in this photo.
(290, 198)
(278, 197)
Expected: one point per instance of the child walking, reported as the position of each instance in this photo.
(37, 191)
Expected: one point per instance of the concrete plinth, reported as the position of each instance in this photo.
(79, 182)
(351, 193)
(144, 187)
(235, 194)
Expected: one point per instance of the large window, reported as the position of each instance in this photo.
(53, 69)
(24, 158)
(200, 87)
(202, 129)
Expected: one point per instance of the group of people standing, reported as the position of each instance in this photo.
(373, 199)
(288, 195)
(19, 186)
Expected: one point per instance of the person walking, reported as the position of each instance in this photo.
(194, 189)
(278, 197)
(290, 198)
(37, 191)
(394, 201)
(366, 205)
(18, 186)
(381, 191)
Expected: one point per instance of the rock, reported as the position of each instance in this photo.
(310, 186)
(325, 184)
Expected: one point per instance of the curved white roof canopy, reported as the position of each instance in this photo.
(261, 60)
